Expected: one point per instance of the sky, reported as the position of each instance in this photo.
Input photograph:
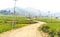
(43, 5)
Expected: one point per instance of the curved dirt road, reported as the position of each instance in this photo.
(27, 31)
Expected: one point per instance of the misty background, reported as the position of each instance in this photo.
(31, 7)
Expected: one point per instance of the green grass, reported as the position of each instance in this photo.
(6, 26)
(52, 27)
(49, 20)
(20, 25)
(54, 24)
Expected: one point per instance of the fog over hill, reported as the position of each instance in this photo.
(27, 12)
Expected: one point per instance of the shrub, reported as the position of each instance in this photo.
(45, 29)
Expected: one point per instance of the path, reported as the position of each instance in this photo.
(27, 31)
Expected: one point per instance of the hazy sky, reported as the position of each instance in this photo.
(43, 5)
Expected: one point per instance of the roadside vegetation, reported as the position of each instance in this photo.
(52, 26)
(9, 22)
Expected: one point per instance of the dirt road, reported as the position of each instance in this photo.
(27, 31)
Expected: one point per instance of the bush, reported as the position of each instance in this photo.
(45, 29)
(51, 33)
(58, 33)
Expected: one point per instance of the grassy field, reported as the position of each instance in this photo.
(54, 24)
(9, 22)
(52, 27)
